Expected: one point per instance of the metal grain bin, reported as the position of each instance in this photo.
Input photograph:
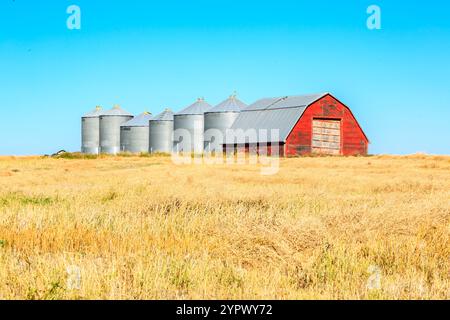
(189, 127)
(219, 119)
(110, 122)
(161, 132)
(134, 134)
(90, 131)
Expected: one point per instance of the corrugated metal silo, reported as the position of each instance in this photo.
(189, 126)
(110, 122)
(90, 131)
(134, 134)
(161, 132)
(221, 118)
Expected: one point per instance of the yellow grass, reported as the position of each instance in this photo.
(144, 228)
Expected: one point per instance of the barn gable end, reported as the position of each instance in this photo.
(352, 140)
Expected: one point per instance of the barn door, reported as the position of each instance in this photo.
(326, 136)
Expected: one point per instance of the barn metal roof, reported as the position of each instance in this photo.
(166, 115)
(273, 114)
(117, 111)
(232, 104)
(94, 113)
(199, 107)
(139, 121)
(284, 102)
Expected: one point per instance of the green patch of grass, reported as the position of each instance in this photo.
(142, 155)
(126, 155)
(82, 156)
(110, 196)
(22, 199)
(153, 155)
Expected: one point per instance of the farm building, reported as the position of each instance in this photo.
(161, 132)
(110, 122)
(189, 126)
(284, 126)
(307, 124)
(134, 134)
(90, 131)
(219, 119)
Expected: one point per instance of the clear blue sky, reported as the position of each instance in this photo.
(148, 55)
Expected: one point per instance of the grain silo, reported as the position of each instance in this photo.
(110, 122)
(90, 131)
(134, 134)
(219, 119)
(161, 132)
(189, 127)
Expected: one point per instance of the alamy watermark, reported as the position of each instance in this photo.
(374, 19)
(232, 147)
(73, 277)
(374, 281)
(74, 20)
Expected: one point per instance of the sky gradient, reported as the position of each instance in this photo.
(149, 55)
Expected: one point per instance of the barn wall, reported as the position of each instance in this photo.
(255, 149)
(353, 140)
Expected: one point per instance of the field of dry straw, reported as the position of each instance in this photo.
(144, 228)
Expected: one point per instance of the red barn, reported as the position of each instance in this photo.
(310, 124)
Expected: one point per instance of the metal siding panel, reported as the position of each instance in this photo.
(110, 133)
(134, 139)
(194, 124)
(161, 136)
(219, 121)
(90, 135)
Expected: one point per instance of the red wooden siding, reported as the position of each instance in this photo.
(353, 139)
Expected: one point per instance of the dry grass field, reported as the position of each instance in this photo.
(144, 228)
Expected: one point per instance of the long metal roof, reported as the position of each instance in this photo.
(199, 107)
(139, 121)
(273, 114)
(116, 111)
(232, 104)
(284, 102)
(94, 113)
(166, 115)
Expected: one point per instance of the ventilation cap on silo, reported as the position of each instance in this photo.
(94, 113)
(117, 111)
(166, 115)
(232, 104)
(197, 108)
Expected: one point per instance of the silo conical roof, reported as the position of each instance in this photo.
(166, 115)
(232, 104)
(94, 113)
(199, 107)
(139, 121)
(117, 111)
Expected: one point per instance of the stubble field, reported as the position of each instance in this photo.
(145, 228)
